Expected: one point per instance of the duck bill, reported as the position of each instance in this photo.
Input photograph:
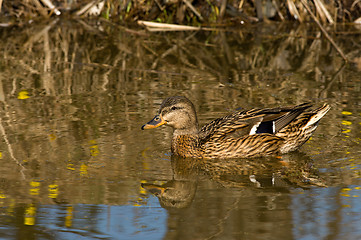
(155, 122)
(154, 189)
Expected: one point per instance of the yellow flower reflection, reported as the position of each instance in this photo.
(94, 149)
(69, 216)
(141, 189)
(35, 188)
(346, 113)
(346, 123)
(23, 95)
(70, 166)
(345, 195)
(347, 191)
(10, 208)
(83, 170)
(30, 213)
(53, 191)
(2, 195)
(52, 136)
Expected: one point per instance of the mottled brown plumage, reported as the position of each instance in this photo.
(253, 133)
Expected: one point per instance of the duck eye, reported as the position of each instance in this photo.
(174, 108)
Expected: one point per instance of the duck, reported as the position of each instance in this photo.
(242, 134)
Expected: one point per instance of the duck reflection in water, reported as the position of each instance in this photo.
(174, 193)
(251, 176)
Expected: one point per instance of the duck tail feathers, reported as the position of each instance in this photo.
(318, 114)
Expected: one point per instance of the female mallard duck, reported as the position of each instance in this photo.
(253, 133)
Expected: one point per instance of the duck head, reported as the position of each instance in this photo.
(177, 112)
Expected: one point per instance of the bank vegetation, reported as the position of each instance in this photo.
(187, 12)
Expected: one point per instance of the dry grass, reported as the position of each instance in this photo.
(185, 11)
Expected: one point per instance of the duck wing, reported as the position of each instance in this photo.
(255, 121)
(277, 118)
(221, 127)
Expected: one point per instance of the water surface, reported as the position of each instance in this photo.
(74, 160)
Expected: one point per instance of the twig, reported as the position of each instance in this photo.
(11, 152)
(324, 31)
(222, 221)
(329, 84)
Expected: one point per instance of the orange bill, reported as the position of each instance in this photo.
(155, 122)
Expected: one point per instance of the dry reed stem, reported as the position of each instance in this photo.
(293, 10)
(166, 26)
(39, 8)
(51, 6)
(223, 9)
(190, 6)
(90, 8)
(322, 11)
(276, 5)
